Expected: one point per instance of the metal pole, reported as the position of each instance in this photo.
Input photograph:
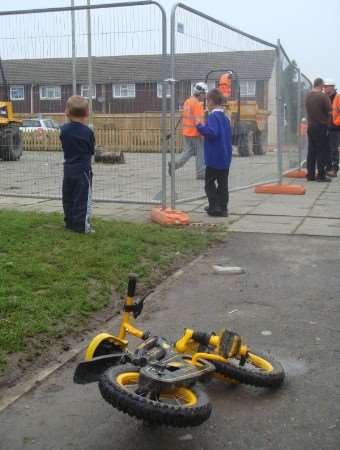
(74, 75)
(279, 106)
(299, 99)
(173, 105)
(164, 106)
(89, 62)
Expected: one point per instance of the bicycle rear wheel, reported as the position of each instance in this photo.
(179, 406)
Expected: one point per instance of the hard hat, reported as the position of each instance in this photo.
(200, 88)
(329, 82)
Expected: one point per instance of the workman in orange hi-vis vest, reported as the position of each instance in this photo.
(193, 110)
(334, 128)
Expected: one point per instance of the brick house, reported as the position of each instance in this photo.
(129, 83)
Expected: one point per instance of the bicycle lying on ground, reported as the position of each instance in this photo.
(161, 383)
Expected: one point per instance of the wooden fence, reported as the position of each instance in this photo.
(137, 141)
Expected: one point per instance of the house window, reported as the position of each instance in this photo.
(50, 92)
(124, 90)
(160, 90)
(211, 85)
(84, 91)
(17, 93)
(248, 88)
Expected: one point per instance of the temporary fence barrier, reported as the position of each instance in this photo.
(116, 56)
(211, 45)
(113, 54)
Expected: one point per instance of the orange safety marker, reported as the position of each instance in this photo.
(284, 189)
(298, 173)
(169, 216)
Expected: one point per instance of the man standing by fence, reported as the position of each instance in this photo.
(333, 163)
(318, 108)
(193, 111)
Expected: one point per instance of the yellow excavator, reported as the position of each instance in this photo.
(248, 122)
(10, 137)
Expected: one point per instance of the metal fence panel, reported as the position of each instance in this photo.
(305, 87)
(201, 44)
(120, 65)
(289, 94)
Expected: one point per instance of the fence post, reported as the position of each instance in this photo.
(279, 121)
(173, 104)
(74, 75)
(299, 100)
(164, 105)
(89, 60)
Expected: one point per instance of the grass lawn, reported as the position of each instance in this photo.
(52, 279)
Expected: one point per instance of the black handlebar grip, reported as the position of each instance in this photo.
(132, 284)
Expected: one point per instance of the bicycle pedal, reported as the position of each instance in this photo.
(230, 344)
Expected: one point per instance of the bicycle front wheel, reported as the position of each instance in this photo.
(258, 370)
(178, 407)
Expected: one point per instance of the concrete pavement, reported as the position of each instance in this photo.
(316, 213)
(290, 288)
(285, 304)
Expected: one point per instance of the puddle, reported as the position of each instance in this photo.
(294, 367)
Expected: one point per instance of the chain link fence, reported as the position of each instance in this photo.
(116, 55)
(304, 87)
(290, 111)
(216, 48)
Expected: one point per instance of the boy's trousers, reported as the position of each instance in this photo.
(77, 200)
(216, 188)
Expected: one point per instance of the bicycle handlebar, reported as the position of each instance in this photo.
(132, 284)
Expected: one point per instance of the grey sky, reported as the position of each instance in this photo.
(308, 29)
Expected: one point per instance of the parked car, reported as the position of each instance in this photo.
(40, 134)
(39, 125)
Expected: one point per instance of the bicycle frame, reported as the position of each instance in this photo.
(98, 358)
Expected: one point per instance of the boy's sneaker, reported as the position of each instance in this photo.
(91, 231)
(332, 173)
(224, 213)
(323, 180)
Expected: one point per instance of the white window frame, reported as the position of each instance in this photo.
(129, 87)
(16, 99)
(84, 88)
(160, 90)
(211, 85)
(248, 88)
(55, 97)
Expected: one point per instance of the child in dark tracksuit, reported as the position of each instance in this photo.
(78, 144)
(217, 154)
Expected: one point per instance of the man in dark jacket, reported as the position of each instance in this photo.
(334, 133)
(318, 107)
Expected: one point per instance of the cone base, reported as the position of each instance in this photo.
(283, 189)
(169, 216)
(299, 173)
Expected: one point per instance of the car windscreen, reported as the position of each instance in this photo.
(31, 123)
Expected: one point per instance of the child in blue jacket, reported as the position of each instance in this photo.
(78, 144)
(217, 154)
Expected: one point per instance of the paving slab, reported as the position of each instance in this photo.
(266, 224)
(319, 227)
(324, 210)
(249, 212)
(281, 209)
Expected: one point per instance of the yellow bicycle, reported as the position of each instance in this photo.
(161, 383)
